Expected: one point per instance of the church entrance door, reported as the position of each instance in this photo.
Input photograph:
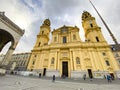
(44, 71)
(65, 68)
(90, 73)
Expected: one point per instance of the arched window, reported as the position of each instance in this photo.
(74, 37)
(52, 60)
(24, 63)
(107, 63)
(77, 60)
(104, 54)
(39, 44)
(55, 39)
(91, 25)
(97, 39)
(42, 32)
(64, 39)
(33, 62)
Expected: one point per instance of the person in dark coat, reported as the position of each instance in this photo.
(39, 75)
(84, 76)
(53, 79)
(91, 78)
(109, 78)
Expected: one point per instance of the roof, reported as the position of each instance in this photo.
(64, 27)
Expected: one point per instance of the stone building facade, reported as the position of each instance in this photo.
(19, 61)
(67, 55)
(9, 32)
(116, 52)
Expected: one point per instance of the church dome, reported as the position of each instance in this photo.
(47, 22)
(85, 15)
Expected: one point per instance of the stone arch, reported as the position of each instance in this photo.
(9, 32)
(5, 37)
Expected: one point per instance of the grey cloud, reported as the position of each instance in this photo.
(57, 9)
(60, 12)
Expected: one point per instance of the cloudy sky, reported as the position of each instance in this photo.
(29, 15)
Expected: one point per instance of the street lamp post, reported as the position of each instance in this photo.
(114, 39)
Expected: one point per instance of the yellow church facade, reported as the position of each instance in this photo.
(67, 55)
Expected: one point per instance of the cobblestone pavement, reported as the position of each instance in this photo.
(10, 82)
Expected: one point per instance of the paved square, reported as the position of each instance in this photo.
(10, 82)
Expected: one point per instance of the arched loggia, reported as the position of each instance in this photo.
(9, 32)
(5, 37)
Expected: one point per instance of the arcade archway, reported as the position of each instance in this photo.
(5, 37)
(9, 32)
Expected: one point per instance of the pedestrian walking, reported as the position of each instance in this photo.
(109, 78)
(84, 76)
(91, 78)
(39, 75)
(112, 77)
(104, 77)
(53, 79)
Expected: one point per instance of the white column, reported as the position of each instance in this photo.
(7, 56)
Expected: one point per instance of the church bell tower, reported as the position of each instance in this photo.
(92, 30)
(43, 36)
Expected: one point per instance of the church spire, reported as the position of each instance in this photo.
(114, 39)
(46, 22)
(43, 36)
(92, 30)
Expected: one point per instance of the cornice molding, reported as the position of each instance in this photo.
(4, 19)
